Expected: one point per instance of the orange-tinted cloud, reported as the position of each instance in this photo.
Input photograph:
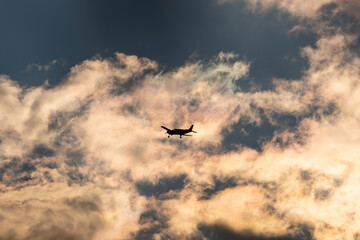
(87, 159)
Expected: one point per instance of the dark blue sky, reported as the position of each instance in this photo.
(36, 32)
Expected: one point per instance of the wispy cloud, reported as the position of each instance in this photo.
(42, 67)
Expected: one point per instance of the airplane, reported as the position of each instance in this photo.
(180, 132)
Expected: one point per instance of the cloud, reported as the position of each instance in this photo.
(218, 231)
(40, 67)
(46, 145)
(295, 7)
(351, 6)
(87, 159)
(301, 9)
(161, 189)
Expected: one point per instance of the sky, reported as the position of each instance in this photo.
(271, 87)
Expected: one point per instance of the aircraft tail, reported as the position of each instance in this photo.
(190, 129)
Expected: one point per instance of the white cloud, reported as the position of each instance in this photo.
(298, 8)
(99, 136)
(307, 9)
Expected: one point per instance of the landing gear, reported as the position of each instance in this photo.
(180, 136)
(168, 136)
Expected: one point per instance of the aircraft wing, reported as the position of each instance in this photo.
(165, 128)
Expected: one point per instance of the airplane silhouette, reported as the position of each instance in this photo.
(178, 131)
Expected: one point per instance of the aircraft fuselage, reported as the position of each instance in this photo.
(176, 131)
